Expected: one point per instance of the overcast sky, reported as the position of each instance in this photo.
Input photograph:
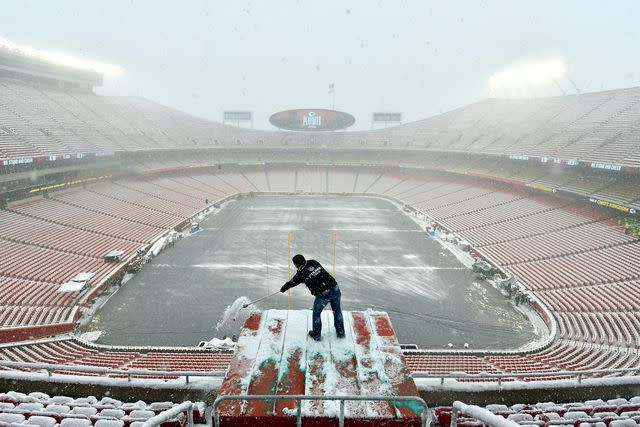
(416, 57)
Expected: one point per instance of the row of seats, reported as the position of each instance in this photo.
(30, 230)
(616, 412)
(581, 238)
(47, 265)
(73, 352)
(42, 410)
(78, 218)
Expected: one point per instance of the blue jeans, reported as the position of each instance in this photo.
(330, 296)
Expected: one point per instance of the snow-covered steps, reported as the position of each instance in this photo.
(275, 356)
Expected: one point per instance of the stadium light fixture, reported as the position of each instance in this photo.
(63, 59)
(529, 76)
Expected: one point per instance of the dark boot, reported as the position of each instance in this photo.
(315, 338)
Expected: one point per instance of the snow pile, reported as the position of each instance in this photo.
(91, 336)
(217, 343)
(234, 316)
(157, 247)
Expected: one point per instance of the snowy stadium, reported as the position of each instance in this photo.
(488, 255)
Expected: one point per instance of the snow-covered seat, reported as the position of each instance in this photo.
(604, 408)
(609, 420)
(112, 413)
(136, 424)
(109, 423)
(617, 402)
(61, 400)
(42, 421)
(75, 422)
(142, 413)
(99, 406)
(85, 401)
(594, 402)
(604, 414)
(21, 397)
(11, 418)
(497, 408)
(30, 407)
(43, 397)
(579, 407)
(442, 414)
(132, 406)
(558, 409)
(533, 423)
(628, 407)
(58, 409)
(635, 399)
(544, 405)
(6, 405)
(623, 423)
(84, 410)
(630, 414)
(520, 417)
(548, 416)
(5, 397)
(160, 406)
(110, 401)
(576, 415)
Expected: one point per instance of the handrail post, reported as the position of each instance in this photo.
(190, 416)
(208, 415)
(454, 417)
(423, 416)
(341, 419)
(215, 413)
(299, 413)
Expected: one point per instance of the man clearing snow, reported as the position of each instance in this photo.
(322, 286)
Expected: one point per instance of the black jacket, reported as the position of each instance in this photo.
(314, 276)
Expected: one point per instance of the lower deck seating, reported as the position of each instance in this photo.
(573, 257)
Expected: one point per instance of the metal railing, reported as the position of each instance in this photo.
(479, 413)
(579, 375)
(169, 414)
(300, 397)
(49, 368)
